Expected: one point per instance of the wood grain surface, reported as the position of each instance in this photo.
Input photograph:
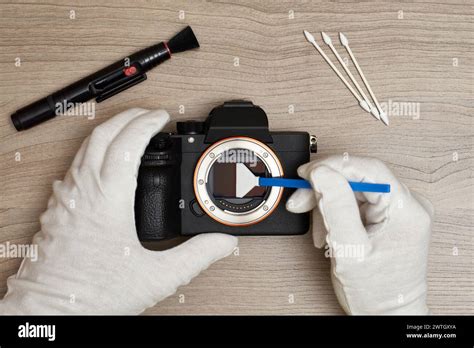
(417, 53)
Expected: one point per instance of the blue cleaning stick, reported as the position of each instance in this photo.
(300, 183)
(246, 181)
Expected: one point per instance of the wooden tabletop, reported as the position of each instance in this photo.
(417, 57)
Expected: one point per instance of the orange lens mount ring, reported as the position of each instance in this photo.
(206, 208)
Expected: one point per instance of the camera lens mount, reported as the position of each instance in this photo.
(253, 209)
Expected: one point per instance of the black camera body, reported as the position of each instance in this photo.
(166, 202)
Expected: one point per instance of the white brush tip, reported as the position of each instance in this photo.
(375, 113)
(384, 118)
(308, 36)
(343, 39)
(363, 104)
(327, 40)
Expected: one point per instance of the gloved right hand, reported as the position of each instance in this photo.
(378, 242)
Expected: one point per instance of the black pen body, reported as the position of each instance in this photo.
(100, 85)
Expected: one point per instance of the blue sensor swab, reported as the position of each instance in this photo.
(300, 183)
(246, 181)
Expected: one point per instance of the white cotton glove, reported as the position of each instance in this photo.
(90, 260)
(379, 249)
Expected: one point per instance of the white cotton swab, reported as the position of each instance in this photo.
(327, 40)
(362, 102)
(345, 43)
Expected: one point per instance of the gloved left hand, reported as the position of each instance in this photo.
(90, 260)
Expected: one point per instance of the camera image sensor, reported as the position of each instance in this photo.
(222, 183)
(215, 181)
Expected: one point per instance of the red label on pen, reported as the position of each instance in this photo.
(131, 70)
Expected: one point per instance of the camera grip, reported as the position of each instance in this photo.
(157, 211)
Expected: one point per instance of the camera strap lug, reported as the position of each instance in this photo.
(313, 143)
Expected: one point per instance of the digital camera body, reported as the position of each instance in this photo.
(186, 181)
